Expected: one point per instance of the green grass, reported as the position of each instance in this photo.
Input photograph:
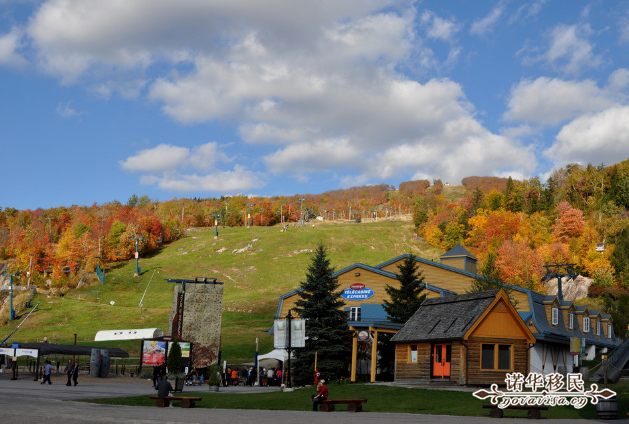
(380, 399)
(254, 281)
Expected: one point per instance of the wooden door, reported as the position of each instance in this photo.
(442, 356)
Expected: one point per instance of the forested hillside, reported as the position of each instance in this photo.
(519, 225)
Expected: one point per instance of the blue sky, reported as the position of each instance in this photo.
(100, 100)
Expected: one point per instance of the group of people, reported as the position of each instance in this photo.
(268, 377)
(71, 370)
(232, 376)
(271, 377)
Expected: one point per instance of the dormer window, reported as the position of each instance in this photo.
(598, 328)
(570, 321)
(586, 324)
(609, 331)
(554, 316)
(354, 313)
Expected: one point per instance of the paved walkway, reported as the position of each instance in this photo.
(27, 401)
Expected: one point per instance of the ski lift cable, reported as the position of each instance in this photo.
(147, 287)
(17, 328)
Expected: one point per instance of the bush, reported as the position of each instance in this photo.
(214, 379)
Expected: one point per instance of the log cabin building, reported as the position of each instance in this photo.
(547, 318)
(473, 338)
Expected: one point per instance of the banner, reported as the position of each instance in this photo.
(153, 352)
(185, 349)
(298, 333)
(27, 352)
(575, 345)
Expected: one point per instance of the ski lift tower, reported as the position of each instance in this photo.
(11, 275)
(554, 271)
(137, 238)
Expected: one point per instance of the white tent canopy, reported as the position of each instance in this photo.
(142, 333)
(279, 354)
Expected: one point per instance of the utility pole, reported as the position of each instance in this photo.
(30, 269)
(301, 213)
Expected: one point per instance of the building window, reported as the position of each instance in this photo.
(570, 321)
(496, 356)
(586, 324)
(609, 331)
(354, 313)
(554, 312)
(598, 328)
(413, 354)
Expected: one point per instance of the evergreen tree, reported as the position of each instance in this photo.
(327, 334)
(618, 308)
(406, 299)
(174, 358)
(477, 200)
(489, 279)
(620, 258)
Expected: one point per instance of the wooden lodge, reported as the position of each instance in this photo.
(549, 321)
(474, 338)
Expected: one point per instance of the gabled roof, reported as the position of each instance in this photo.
(457, 251)
(427, 262)
(445, 318)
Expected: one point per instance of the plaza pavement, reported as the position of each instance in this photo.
(27, 401)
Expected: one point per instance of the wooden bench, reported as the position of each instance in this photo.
(353, 405)
(533, 411)
(186, 402)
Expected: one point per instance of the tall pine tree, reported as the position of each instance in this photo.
(327, 334)
(406, 299)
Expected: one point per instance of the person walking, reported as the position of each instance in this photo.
(75, 373)
(47, 373)
(156, 372)
(69, 369)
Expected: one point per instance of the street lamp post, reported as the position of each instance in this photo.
(137, 239)
(215, 215)
(249, 223)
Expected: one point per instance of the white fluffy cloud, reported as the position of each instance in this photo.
(169, 168)
(597, 138)
(485, 25)
(551, 101)
(9, 45)
(158, 159)
(439, 28)
(319, 82)
(569, 49)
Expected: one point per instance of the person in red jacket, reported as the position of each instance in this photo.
(322, 394)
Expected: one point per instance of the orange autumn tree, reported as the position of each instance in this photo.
(569, 224)
(520, 265)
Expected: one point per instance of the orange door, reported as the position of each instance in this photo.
(442, 353)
